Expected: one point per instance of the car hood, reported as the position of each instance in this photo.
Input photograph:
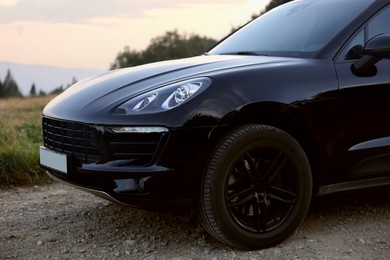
(104, 91)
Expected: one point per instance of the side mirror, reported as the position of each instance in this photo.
(377, 48)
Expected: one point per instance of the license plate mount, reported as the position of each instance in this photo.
(53, 160)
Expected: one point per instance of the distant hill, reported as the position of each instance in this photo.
(45, 78)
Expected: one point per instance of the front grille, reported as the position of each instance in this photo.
(73, 139)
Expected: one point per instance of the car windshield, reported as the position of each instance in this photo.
(299, 28)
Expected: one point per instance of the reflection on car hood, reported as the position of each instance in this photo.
(97, 93)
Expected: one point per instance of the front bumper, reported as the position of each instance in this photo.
(127, 168)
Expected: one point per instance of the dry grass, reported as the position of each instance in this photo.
(18, 110)
(24, 103)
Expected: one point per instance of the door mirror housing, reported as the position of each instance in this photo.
(377, 48)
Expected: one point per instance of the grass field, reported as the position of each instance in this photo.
(20, 138)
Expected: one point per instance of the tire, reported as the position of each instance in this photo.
(256, 189)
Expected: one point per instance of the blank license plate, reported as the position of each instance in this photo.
(53, 160)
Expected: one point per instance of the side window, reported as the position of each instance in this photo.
(355, 47)
(378, 25)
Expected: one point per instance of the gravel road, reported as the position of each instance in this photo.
(59, 222)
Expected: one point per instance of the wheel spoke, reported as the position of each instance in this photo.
(247, 168)
(240, 202)
(256, 215)
(260, 214)
(283, 195)
(243, 170)
(254, 172)
(275, 168)
(263, 215)
(238, 193)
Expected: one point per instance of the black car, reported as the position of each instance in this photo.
(292, 105)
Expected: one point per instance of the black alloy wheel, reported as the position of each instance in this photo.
(256, 189)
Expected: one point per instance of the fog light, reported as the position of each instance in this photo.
(141, 184)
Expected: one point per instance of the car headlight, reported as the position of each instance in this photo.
(164, 98)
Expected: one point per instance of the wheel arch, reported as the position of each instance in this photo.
(277, 115)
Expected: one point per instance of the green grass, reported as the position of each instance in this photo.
(20, 139)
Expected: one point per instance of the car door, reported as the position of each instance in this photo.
(363, 111)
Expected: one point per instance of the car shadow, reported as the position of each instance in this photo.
(351, 202)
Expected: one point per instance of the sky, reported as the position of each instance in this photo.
(90, 33)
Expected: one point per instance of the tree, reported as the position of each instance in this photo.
(271, 5)
(9, 87)
(74, 81)
(127, 58)
(2, 89)
(57, 90)
(275, 3)
(33, 90)
(171, 45)
(42, 93)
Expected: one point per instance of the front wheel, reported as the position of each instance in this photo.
(256, 189)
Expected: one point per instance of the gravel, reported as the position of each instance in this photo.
(56, 221)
